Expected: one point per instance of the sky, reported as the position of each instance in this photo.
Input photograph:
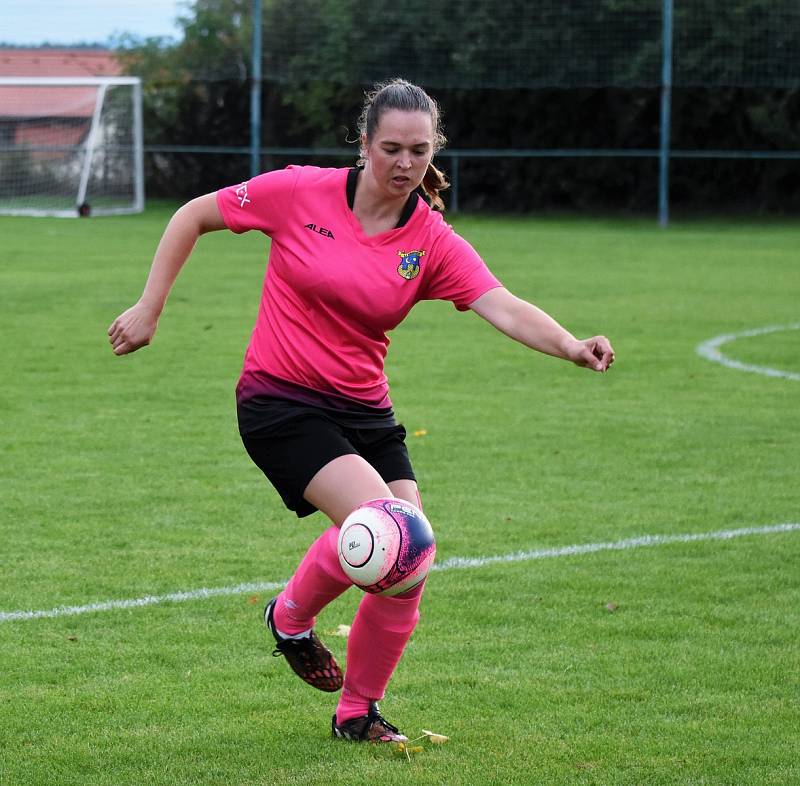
(64, 22)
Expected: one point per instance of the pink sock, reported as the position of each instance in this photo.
(316, 582)
(381, 629)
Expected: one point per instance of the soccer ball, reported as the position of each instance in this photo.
(386, 546)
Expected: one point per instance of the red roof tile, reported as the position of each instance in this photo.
(58, 62)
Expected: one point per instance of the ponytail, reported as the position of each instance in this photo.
(432, 184)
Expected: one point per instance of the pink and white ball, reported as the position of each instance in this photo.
(386, 546)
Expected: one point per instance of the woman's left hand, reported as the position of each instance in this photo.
(595, 353)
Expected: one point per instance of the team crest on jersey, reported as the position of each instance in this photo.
(410, 262)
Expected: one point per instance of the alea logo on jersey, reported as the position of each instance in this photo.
(410, 262)
(320, 230)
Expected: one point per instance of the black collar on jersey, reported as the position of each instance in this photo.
(408, 208)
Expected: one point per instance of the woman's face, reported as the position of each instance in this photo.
(400, 151)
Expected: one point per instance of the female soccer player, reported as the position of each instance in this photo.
(352, 251)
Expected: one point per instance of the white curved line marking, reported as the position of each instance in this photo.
(454, 563)
(710, 351)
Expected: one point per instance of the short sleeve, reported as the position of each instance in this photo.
(259, 203)
(460, 275)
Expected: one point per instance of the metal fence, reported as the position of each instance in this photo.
(652, 44)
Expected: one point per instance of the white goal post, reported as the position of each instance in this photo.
(71, 146)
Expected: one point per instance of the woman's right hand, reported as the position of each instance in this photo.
(133, 328)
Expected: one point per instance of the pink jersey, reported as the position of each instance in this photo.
(331, 293)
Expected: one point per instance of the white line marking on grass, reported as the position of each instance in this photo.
(619, 545)
(454, 563)
(710, 351)
(147, 600)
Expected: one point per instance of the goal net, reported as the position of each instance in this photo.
(71, 146)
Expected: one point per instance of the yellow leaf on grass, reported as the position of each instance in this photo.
(401, 750)
(420, 432)
(436, 739)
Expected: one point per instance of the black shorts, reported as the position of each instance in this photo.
(291, 452)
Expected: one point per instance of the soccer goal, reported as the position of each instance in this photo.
(71, 146)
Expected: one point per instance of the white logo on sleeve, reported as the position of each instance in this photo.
(241, 194)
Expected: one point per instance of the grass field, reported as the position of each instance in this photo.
(672, 663)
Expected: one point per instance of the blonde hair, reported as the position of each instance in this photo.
(402, 95)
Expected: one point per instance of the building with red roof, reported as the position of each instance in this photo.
(50, 115)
